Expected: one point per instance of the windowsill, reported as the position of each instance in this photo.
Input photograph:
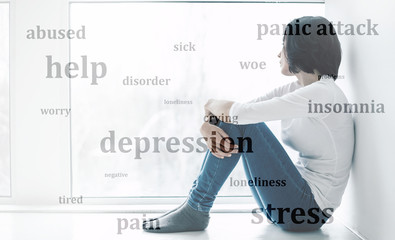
(84, 208)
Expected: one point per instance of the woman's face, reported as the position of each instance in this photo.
(284, 63)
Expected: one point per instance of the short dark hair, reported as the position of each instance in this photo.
(312, 43)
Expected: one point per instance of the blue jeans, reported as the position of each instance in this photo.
(267, 161)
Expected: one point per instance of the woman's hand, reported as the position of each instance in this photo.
(218, 142)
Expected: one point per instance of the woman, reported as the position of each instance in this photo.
(312, 188)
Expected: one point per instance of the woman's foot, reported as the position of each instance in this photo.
(168, 212)
(181, 219)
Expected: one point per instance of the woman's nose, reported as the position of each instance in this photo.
(279, 55)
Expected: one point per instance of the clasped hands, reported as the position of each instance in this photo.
(218, 141)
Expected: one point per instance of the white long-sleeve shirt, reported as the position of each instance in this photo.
(324, 139)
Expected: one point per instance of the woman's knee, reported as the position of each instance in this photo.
(237, 136)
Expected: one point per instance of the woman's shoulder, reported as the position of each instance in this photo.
(324, 89)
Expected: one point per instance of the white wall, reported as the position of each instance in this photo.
(368, 64)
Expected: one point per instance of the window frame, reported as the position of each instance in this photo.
(60, 148)
(144, 200)
(7, 197)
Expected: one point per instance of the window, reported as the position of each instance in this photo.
(5, 165)
(200, 51)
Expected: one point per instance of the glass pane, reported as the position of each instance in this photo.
(5, 178)
(178, 55)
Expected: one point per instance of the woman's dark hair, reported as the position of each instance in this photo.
(312, 43)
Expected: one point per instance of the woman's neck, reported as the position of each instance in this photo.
(305, 79)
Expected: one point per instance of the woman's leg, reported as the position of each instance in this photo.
(213, 174)
(269, 161)
(277, 185)
(193, 215)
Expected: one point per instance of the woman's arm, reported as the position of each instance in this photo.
(221, 107)
(214, 135)
(218, 108)
(296, 104)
